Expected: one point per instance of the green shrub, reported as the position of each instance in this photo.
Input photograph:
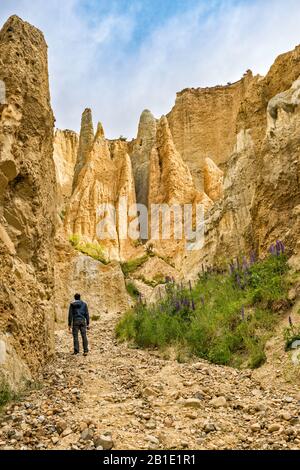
(95, 317)
(221, 319)
(130, 266)
(6, 393)
(132, 290)
(94, 250)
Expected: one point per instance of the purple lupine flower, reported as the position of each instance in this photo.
(291, 322)
(238, 281)
(232, 268)
(193, 305)
(243, 313)
(245, 264)
(202, 300)
(190, 285)
(278, 247)
(272, 249)
(252, 257)
(282, 247)
(238, 264)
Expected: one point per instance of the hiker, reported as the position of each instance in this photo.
(79, 319)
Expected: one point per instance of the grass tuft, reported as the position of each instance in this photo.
(131, 266)
(6, 394)
(94, 250)
(132, 290)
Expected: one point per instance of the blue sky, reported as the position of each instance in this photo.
(122, 56)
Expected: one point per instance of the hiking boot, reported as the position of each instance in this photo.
(85, 354)
(75, 353)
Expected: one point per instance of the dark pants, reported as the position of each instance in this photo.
(80, 326)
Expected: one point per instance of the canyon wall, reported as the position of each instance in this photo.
(66, 145)
(27, 203)
(103, 176)
(262, 176)
(203, 123)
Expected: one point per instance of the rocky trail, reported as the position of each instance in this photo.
(124, 398)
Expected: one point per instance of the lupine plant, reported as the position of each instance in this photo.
(225, 317)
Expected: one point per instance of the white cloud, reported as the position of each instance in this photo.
(93, 64)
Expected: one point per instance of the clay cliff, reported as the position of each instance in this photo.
(27, 203)
(261, 184)
(65, 155)
(203, 123)
(104, 177)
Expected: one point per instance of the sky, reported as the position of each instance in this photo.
(120, 57)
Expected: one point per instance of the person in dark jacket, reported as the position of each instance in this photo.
(79, 320)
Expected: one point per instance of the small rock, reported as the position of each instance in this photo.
(255, 427)
(198, 366)
(149, 392)
(209, 427)
(286, 416)
(274, 427)
(191, 415)
(153, 440)
(192, 403)
(168, 422)
(66, 432)
(61, 426)
(82, 426)
(87, 434)
(104, 441)
(54, 440)
(150, 425)
(219, 402)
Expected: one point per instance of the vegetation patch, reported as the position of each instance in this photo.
(95, 317)
(94, 250)
(131, 266)
(226, 317)
(132, 290)
(6, 394)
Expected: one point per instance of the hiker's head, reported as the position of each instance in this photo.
(77, 296)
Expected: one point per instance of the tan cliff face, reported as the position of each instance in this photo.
(203, 124)
(140, 155)
(27, 203)
(105, 178)
(86, 140)
(64, 154)
(261, 186)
